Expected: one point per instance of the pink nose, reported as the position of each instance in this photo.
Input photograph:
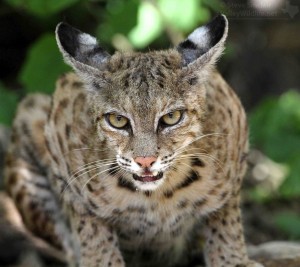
(145, 162)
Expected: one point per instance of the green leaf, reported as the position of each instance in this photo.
(8, 104)
(289, 223)
(154, 18)
(216, 5)
(121, 17)
(291, 187)
(275, 129)
(43, 65)
(149, 26)
(289, 104)
(275, 126)
(42, 7)
(194, 13)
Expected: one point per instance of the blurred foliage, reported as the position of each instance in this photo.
(8, 104)
(275, 130)
(43, 8)
(166, 15)
(289, 223)
(43, 65)
(120, 18)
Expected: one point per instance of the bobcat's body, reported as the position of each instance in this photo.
(86, 186)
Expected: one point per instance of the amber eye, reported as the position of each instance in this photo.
(116, 120)
(171, 118)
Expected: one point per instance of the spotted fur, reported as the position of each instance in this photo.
(72, 175)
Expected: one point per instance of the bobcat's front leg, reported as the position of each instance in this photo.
(225, 245)
(98, 243)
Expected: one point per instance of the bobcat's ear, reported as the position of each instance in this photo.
(204, 45)
(80, 50)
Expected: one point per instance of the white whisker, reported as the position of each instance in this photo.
(86, 148)
(99, 173)
(97, 162)
(89, 167)
(196, 139)
(197, 155)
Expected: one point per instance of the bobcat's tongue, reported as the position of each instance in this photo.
(147, 177)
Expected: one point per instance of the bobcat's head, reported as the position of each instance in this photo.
(148, 107)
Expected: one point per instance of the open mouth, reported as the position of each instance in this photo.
(147, 177)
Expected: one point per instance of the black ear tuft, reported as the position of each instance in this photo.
(203, 39)
(68, 37)
(216, 28)
(79, 48)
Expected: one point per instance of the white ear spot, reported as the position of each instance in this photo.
(200, 37)
(87, 39)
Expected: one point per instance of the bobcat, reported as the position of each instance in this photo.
(135, 156)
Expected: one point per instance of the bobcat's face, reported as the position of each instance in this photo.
(147, 115)
(148, 106)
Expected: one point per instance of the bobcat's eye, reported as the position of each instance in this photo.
(171, 118)
(116, 120)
